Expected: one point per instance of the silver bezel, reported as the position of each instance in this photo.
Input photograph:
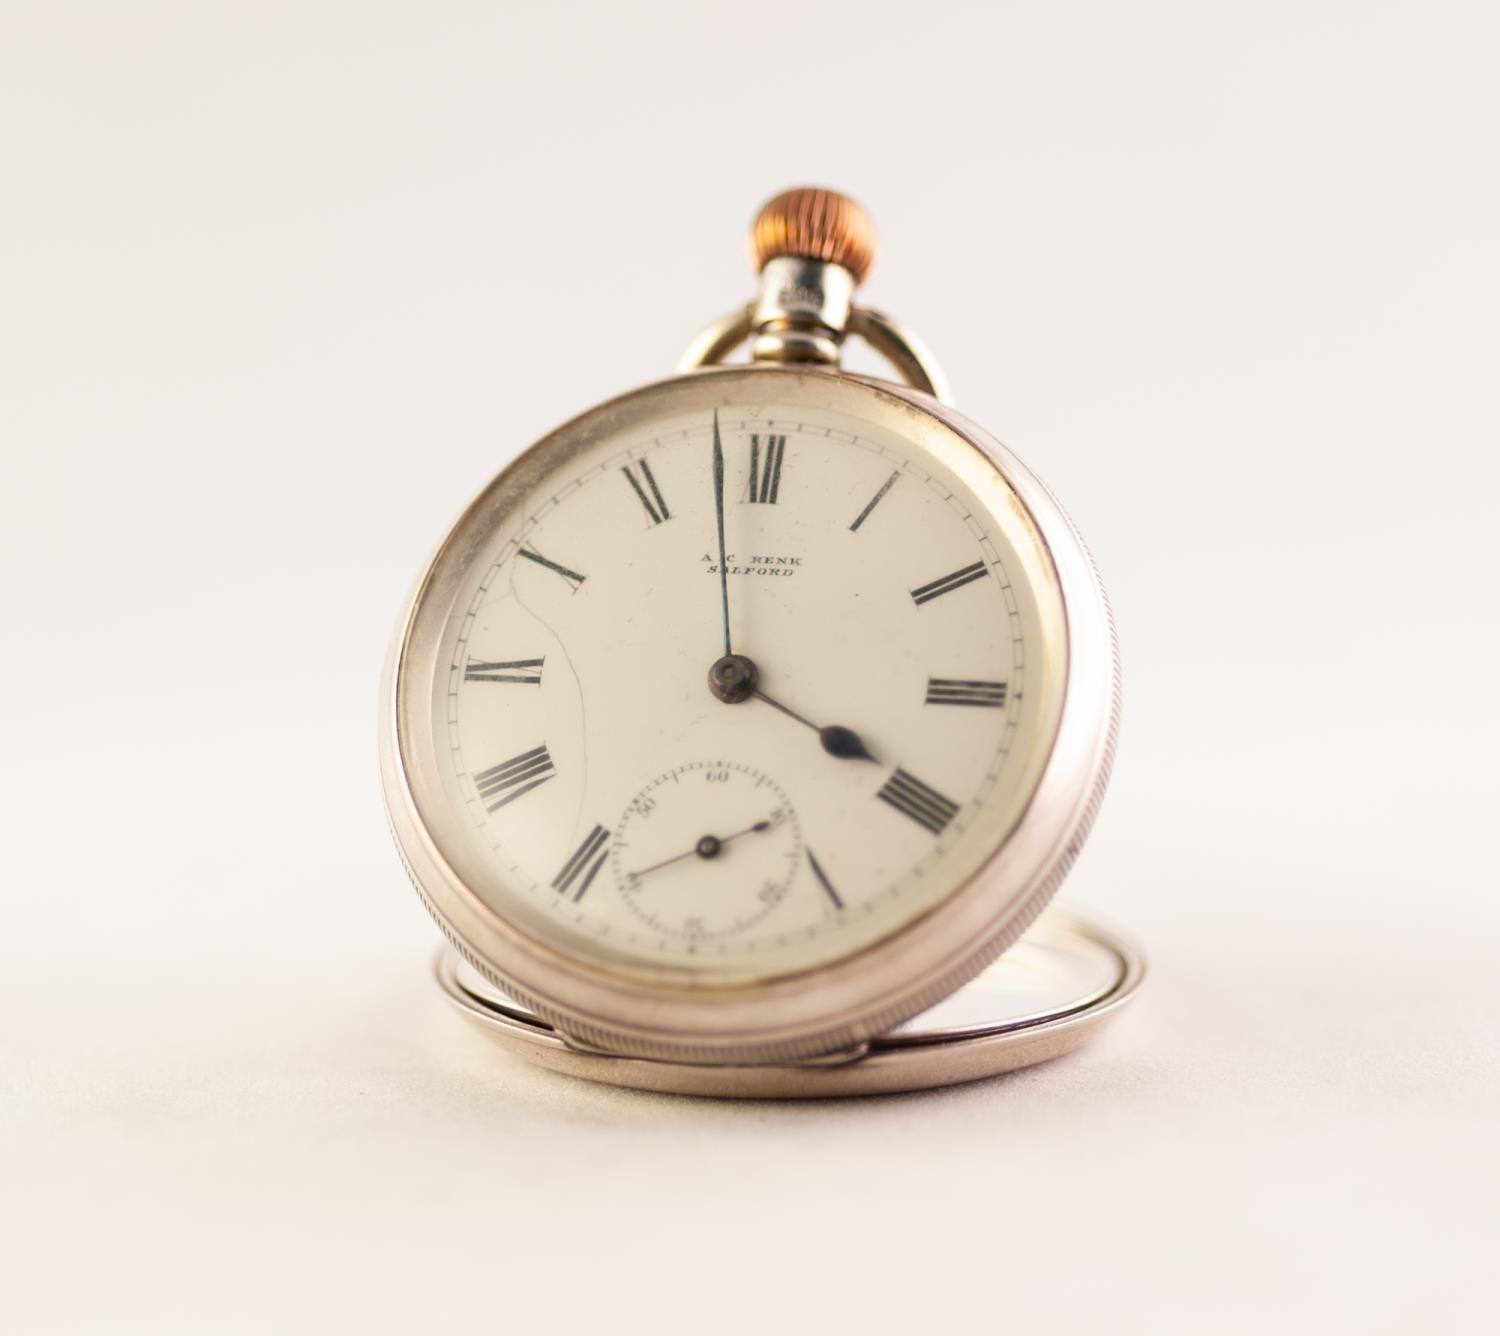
(836, 1006)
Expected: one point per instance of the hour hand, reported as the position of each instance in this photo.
(837, 740)
(840, 741)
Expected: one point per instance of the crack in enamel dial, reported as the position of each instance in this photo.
(889, 604)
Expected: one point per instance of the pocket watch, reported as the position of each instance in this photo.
(741, 726)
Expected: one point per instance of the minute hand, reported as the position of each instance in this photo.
(719, 515)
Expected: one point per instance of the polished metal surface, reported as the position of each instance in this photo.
(909, 357)
(801, 311)
(712, 345)
(1050, 993)
(913, 360)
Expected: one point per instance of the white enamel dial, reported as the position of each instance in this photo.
(909, 676)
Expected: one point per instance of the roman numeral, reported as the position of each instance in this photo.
(823, 881)
(511, 670)
(948, 583)
(656, 508)
(964, 691)
(874, 501)
(572, 577)
(765, 468)
(506, 782)
(586, 861)
(924, 805)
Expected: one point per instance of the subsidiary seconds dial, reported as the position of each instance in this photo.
(707, 849)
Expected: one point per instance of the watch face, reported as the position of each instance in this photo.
(605, 781)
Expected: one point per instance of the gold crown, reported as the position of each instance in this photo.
(814, 224)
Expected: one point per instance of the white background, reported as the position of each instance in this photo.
(281, 285)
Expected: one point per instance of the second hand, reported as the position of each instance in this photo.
(708, 847)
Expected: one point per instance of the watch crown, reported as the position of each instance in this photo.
(810, 223)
